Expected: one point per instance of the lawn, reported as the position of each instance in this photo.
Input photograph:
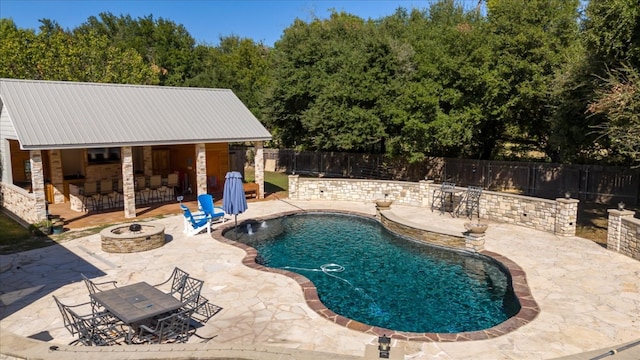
(15, 238)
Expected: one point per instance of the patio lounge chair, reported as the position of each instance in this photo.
(205, 202)
(194, 224)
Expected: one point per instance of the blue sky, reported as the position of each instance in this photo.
(206, 20)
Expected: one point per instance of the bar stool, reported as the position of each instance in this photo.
(90, 196)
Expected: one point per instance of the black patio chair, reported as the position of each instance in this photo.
(204, 309)
(472, 201)
(191, 292)
(92, 329)
(95, 287)
(177, 279)
(439, 200)
(173, 328)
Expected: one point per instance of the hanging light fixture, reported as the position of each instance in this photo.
(384, 346)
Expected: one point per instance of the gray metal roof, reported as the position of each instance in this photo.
(60, 114)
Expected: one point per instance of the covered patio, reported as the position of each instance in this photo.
(125, 147)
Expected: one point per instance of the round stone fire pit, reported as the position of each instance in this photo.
(128, 238)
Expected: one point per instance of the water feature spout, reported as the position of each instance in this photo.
(264, 224)
(249, 229)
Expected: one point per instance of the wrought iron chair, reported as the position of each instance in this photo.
(94, 287)
(173, 328)
(93, 329)
(439, 200)
(177, 279)
(191, 292)
(204, 310)
(472, 200)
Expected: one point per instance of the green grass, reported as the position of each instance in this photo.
(274, 182)
(15, 237)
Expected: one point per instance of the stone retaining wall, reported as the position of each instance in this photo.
(556, 216)
(623, 234)
(20, 202)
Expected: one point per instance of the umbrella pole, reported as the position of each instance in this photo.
(236, 228)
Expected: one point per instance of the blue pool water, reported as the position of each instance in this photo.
(364, 272)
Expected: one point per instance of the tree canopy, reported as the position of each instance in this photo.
(553, 78)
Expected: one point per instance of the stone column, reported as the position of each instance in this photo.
(128, 185)
(148, 160)
(474, 242)
(259, 168)
(57, 175)
(293, 186)
(37, 185)
(201, 169)
(425, 192)
(566, 216)
(614, 227)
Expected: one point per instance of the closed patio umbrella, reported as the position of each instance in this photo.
(233, 198)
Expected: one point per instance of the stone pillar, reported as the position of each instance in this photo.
(474, 242)
(128, 185)
(293, 187)
(201, 169)
(614, 227)
(37, 185)
(148, 160)
(259, 168)
(426, 193)
(57, 175)
(566, 216)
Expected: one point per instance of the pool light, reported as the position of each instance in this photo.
(384, 345)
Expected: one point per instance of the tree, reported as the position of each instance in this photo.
(55, 54)
(530, 40)
(602, 68)
(166, 46)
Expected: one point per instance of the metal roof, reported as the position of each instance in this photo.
(61, 114)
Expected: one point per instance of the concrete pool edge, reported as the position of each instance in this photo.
(528, 312)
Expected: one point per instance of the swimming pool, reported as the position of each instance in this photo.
(363, 272)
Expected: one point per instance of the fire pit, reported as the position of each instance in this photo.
(128, 238)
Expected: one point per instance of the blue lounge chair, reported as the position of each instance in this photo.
(209, 209)
(194, 224)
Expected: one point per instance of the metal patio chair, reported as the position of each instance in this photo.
(95, 287)
(173, 328)
(92, 329)
(439, 200)
(472, 201)
(177, 279)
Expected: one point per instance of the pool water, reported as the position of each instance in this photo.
(364, 272)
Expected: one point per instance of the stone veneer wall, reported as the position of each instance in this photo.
(556, 216)
(19, 202)
(623, 233)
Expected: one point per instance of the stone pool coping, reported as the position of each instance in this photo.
(528, 312)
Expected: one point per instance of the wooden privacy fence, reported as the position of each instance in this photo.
(589, 183)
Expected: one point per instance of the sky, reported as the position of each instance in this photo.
(206, 20)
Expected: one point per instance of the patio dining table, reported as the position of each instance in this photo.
(136, 302)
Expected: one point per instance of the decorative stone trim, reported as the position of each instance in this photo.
(529, 308)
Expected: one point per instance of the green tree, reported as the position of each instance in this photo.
(166, 46)
(530, 42)
(604, 62)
